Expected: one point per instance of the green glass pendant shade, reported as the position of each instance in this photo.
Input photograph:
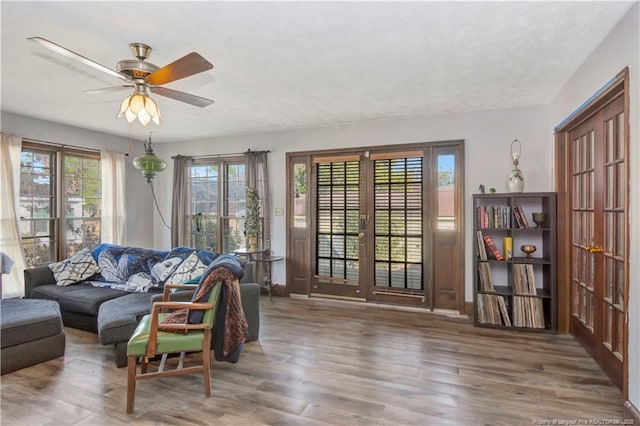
(149, 164)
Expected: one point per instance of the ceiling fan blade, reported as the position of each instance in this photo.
(182, 97)
(108, 89)
(75, 56)
(188, 65)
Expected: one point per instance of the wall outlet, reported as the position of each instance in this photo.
(279, 212)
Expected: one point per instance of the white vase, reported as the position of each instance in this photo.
(516, 180)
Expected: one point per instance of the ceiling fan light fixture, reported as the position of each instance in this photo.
(140, 106)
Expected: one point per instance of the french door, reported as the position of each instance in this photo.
(339, 226)
(598, 254)
(363, 225)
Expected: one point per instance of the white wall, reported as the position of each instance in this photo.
(138, 197)
(620, 49)
(487, 136)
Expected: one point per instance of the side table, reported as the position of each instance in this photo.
(251, 255)
(268, 261)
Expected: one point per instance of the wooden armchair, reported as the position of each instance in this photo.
(148, 341)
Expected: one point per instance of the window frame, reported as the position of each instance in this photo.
(222, 216)
(58, 247)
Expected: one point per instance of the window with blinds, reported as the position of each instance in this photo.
(338, 210)
(398, 223)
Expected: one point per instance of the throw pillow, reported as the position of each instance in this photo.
(162, 270)
(190, 268)
(79, 267)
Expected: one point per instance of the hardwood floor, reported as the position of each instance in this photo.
(322, 362)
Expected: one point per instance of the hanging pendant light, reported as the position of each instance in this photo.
(140, 106)
(149, 164)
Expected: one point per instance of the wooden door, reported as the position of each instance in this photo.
(370, 238)
(338, 226)
(364, 225)
(598, 248)
(398, 235)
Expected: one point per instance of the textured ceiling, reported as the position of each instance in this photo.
(281, 66)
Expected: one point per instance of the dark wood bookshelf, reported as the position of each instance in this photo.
(494, 216)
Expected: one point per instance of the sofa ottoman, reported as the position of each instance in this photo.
(118, 318)
(32, 332)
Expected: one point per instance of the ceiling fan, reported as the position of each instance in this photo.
(142, 76)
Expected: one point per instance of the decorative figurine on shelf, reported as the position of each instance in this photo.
(481, 188)
(516, 179)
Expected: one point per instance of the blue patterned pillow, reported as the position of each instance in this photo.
(78, 268)
(163, 270)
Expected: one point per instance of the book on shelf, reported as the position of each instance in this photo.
(484, 269)
(486, 280)
(503, 310)
(531, 280)
(492, 309)
(516, 218)
(528, 312)
(524, 279)
(520, 216)
(493, 249)
(482, 251)
(498, 217)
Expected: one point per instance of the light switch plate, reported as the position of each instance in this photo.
(279, 212)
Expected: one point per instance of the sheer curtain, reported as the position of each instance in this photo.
(257, 177)
(114, 219)
(10, 240)
(181, 202)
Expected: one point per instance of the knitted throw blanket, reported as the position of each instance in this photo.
(235, 324)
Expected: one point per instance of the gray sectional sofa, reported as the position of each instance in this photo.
(113, 313)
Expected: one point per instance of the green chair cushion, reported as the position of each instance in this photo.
(167, 342)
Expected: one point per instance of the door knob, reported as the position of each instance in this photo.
(594, 249)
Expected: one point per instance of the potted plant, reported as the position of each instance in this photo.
(253, 219)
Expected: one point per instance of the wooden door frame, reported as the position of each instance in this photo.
(459, 176)
(617, 86)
